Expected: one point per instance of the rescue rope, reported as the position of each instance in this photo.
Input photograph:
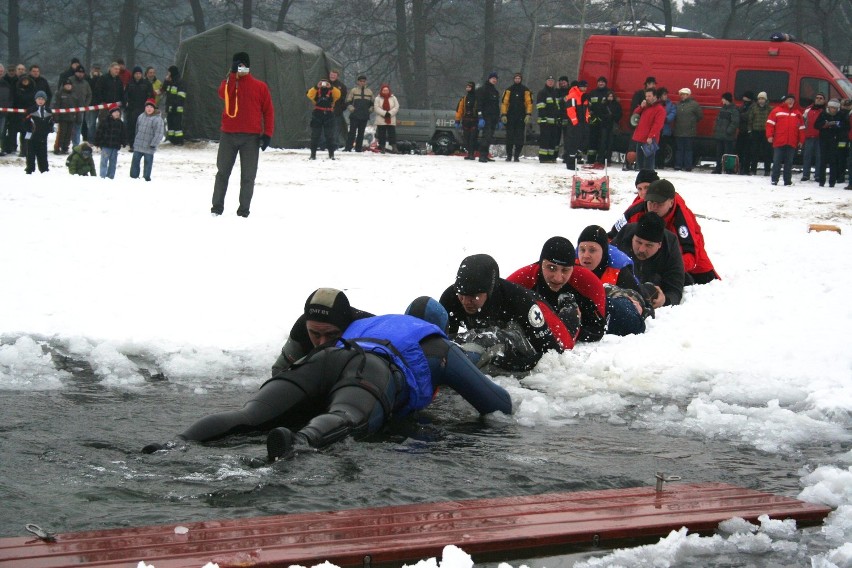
(236, 98)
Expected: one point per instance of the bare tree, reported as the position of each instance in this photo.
(488, 34)
(733, 15)
(403, 53)
(198, 15)
(282, 14)
(125, 41)
(247, 14)
(13, 31)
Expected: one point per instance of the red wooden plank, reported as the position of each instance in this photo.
(412, 532)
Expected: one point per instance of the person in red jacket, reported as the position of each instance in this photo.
(652, 118)
(785, 130)
(662, 199)
(247, 123)
(567, 288)
(811, 149)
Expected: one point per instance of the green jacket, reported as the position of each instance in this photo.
(78, 164)
(757, 116)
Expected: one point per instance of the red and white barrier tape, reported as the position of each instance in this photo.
(61, 110)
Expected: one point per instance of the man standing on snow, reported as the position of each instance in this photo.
(488, 107)
(516, 108)
(785, 130)
(247, 123)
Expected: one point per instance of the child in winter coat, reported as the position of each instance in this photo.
(80, 162)
(38, 123)
(110, 138)
(149, 134)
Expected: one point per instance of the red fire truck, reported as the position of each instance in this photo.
(709, 67)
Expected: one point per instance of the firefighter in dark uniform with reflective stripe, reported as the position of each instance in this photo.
(547, 106)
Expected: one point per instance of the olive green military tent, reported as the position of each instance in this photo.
(289, 65)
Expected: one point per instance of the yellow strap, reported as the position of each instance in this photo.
(236, 100)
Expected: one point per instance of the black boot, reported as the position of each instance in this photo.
(571, 162)
(313, 154)
(331, 154)
(282, 443)
(509, 152)
(518, 153)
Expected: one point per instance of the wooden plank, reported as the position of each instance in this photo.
(412, 532)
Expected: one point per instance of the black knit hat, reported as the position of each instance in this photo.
(471, 84)
(559, 251)
(728, 97)
(174, 72)
(646, 176)
(594, 234)
(476, 274)
(329, 305)
(602, 78)
(242, 57)
(564, 78)
(650, 228)
(748, 95)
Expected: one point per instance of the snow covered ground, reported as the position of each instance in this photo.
(761, 359)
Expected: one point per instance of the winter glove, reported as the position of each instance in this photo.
(458, 125)
(500, 126)
(264, 141)
(481, 123)
(387, 114)
(504, 119)
(234, 66)
(649, 291)
(618, 292)
(569, 312)
(527, 119)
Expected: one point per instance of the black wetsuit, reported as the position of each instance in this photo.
(351, 390)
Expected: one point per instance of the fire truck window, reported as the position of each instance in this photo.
(774, 83)
(809, 87)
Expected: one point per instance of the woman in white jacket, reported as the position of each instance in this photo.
(386, 106)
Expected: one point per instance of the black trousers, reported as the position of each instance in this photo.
(324, 128)
(37, 152)
(357, 126)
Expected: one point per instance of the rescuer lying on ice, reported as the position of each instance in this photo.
(380, 368)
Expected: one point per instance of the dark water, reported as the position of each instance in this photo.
(71, 461)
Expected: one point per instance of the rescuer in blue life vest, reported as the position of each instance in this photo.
(380, 368)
